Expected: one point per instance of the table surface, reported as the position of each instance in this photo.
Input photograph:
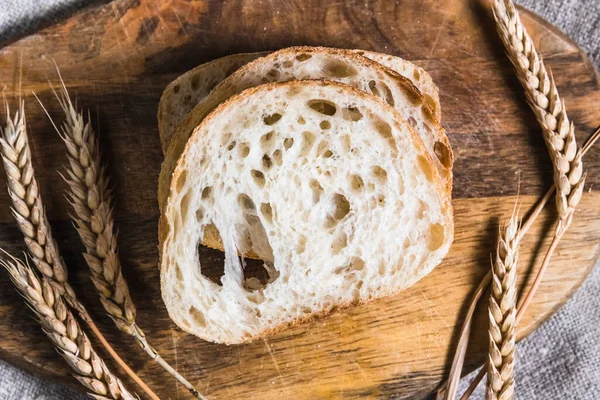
(560, 360)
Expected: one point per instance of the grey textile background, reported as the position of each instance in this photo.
(561, 360)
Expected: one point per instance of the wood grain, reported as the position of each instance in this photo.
(118, 57)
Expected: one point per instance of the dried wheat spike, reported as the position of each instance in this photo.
(92, 199)
(550, 110)
(64, 332)
(502, 314)
(28, 209)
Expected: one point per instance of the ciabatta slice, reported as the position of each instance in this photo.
(327, 184)
(321, 63)
(182, 95)
(418, 75)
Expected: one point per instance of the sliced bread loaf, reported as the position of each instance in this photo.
(331, 188)
(320, 63)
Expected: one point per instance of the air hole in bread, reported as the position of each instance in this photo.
(288, 143)
(373, 88)
(328, 154)
(277, 157)
(325, 125)
(436, 237)
(184, 204)
(317, 191)
(259, 178)
(431, 102)
(258, 274)
(303, 57)
(428, 128)
(301, 246)
(200, 214)
(346, 143)
(301, 120)
(178, 274)
(187, 98)
(339, 242)
(381, 200)
(356, 264)
(416, 74)
(339, 69)
(423, 208)
(370, 187)
(267, 212)
(246, 203)
(266, 162)
(308, 139)
(288, 64)
(244, 150)
(322, 147)
(198, 317)
(379, 173)
(273, 73)
(412, 122)
(267, 140)
(195, 82)
(425, 167)
(181, 181)
(323, 107)
(206, 193)
(212, 265)
(356, 182)
(271, 119)
(442, 152)
(338, 209)
(231, 145)
(352, 114)
(176, 88)
(385, 130)
(382, 268)
(387, 94)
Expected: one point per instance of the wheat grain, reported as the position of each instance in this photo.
(61, 327)
(502, 314)
(90, 195)
(29, 212)
(549, 109)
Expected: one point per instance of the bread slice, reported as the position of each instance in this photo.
(180, 97)
(320, 63)
(418, 75)
(329, 185)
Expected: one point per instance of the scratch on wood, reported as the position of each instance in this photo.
(275, 363)
(175, 340)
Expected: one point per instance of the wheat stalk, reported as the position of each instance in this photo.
(502, 314)
(29, 212)
(92, 201)
(64, 332)
(549, 109)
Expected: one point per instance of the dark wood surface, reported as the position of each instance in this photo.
(117, 58)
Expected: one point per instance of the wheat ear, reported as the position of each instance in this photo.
(28, 211)
(502, 314)
(61, 327)
(549, 109)
(92, 201)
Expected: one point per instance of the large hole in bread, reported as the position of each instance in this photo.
(266, 162)
(385, 130)
(271, 119)
(317, 191)
(277, 158)
(339, 69)
(308, 139)
(339, 242)
(431, 103)
(425, 167)
(181, 180)
(338, 209)
(303, 57)
(436, 237)
(258, 177)
(442, 152)
(288, 143)
(379, 173)
(197, 317)
(356, 182)
(387, 94)
(323, 107)
(267, 141)
(352, 114)
(212, 262)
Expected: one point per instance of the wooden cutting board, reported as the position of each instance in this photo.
(117, 58)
